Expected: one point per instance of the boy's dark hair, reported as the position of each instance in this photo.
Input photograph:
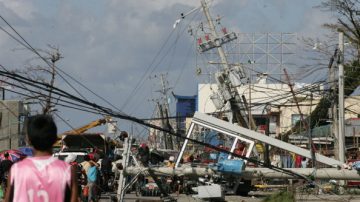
(41, 132)
(6, 155)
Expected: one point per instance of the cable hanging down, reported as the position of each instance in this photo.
(120, 115)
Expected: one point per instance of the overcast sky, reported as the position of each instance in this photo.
(107, 45)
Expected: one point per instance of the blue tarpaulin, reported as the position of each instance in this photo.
(27, 151)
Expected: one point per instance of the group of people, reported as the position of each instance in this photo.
(87, 176)
(46, 178)
(289, 160)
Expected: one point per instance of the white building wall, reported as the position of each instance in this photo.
(205, 105)
(274, 94)
(352, 107)
(288, 111)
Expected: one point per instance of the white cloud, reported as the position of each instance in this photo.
(23, 8)
(315, 29)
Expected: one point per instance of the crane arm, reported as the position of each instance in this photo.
(86, 127)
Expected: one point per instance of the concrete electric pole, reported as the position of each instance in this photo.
(341, 140)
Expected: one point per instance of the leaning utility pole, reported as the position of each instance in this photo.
(220, 50)
(164, 112)
(341, 140)
(295, 99)
(163, 138)
(164, 91)
(227, 89)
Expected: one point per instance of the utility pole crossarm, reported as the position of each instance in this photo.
(221, 52)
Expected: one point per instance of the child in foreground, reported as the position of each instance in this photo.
(42, 177)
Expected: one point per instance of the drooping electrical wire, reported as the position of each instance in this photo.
(121, 115)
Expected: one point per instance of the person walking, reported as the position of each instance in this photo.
(5, 166)
(106, 166)
(92, 178)
(42, 177)
(80, 172)
(87, 164)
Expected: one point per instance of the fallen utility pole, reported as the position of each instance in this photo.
(255, 173)
(226, 127)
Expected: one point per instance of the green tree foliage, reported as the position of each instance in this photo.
(352, 77)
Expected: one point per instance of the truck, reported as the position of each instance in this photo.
(86, 141)
(79, 139)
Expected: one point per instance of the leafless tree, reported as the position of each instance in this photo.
(348, 20)
(318, 52)
(46, 74)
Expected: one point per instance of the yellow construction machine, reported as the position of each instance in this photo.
(79, 131)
